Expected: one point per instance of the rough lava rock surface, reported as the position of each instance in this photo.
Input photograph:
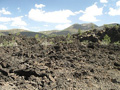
(62, 65)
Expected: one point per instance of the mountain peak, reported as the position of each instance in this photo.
(88, 24)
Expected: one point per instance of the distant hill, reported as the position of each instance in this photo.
(74, 28)
(109, 25)
(31, 34)
(49, 32)
(61, 33)
(21, 31)
(12, 31)
(71, 30)
(84, 27)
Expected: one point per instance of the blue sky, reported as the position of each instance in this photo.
(41, 15)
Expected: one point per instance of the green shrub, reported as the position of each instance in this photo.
(68, 36)
(79, 32)
(116, 27)
(42, 36)
(1, 34)
(52, 43)
(117, 43)
(106, 26)
(106, 40)
(93, 26)
(69, 41)
(37, 36)
(8, 43)
(18, 33)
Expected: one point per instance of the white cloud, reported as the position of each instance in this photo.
(90, 13)
(23, 27)
(60, 16)
(19, 10)
(62, 26)
(118, 3)
(39, 6)
(3, 27)
(3, 11)
(104, 1)
(78, 12)
(88, 18)
(5, 19)
(35, 27)
(46, 25)
(114, 12)
(26, 15)
(17, 21)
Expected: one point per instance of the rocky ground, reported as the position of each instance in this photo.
(61, 64)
